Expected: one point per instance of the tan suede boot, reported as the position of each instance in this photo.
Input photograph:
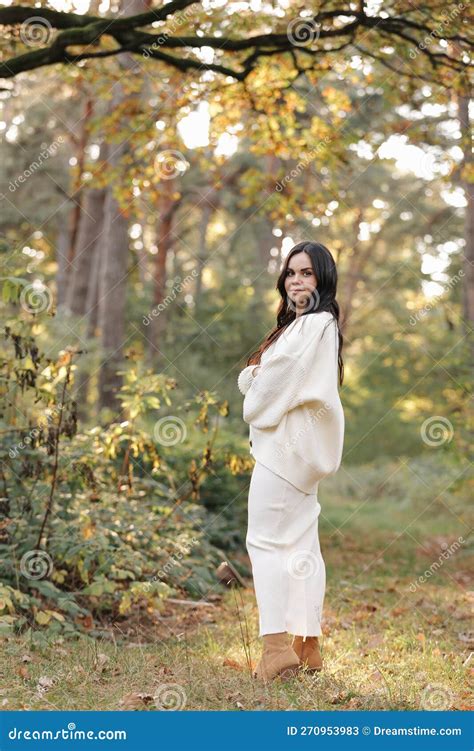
(308, 653)
(278, 658)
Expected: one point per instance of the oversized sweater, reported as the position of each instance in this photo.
(292, 403)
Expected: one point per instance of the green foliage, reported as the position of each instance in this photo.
(94, 524)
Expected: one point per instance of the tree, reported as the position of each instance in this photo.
(402, 25)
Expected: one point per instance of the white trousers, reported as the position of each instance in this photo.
(283, 545)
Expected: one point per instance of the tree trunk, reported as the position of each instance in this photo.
(206, 214)
(88, 240)
(164, 242)
(62, 251)
(468, 256)
(113, 277)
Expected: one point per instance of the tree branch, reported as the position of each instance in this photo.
(87, 30)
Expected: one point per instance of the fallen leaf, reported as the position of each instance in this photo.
(398, 611)
(375, 641)
(228, 663)
(86, 621)
(136, 700)
(100, 662)
(44, 683)
(376, 676)
(467, 637)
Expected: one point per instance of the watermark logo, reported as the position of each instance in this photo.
(170, 164)
(170, 430)
(304, 163)
(35, 31)
(303, 31)
(437, 32)
(44, 155)
(36, 564)
(170, 696)
(447, 553)
(36, 298)
(304, 301)
(177, 287)
(302, 564)
(436, 430)
(436, 697)
(422, 312)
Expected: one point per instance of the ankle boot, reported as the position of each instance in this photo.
(278, 658)
(308, 652)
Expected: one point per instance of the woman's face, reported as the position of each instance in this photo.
(300, 281)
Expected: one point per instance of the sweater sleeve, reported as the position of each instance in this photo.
(245, 379)
(298, 375)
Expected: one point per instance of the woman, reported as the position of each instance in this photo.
(296, 423)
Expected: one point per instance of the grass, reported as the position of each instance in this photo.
(390, 640)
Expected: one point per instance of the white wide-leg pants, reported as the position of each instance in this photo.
(283, 545)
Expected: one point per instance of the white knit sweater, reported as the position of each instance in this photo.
(292, 403)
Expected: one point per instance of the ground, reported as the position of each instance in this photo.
(390, 640)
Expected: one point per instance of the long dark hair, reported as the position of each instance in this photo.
(322, 299)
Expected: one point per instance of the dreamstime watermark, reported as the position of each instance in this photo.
(447, 553)
(174, 558)
(447, 17)
(303, 31)
(413, 320)
(170, 297)
(170, 430)
(44, 155)
(169, 164)
(174, 24)
(69, 734)
(314, 417)
(303, 163)
(33, 433)
(436, 697)
(36, 297)
(36, 564)
(170, 696)
(304, 301)
(35, 30)
(436, 431)
(303, 564)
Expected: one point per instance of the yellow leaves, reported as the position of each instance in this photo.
(6, 603)
(28, 364)
(467, 173)
(88, 530)
(82, 571)
(59, 576)
(239, 464)
(337, 99)
(223, 408)
(125, 602)
(43, 617)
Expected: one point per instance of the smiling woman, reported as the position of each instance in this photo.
(296, 423)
